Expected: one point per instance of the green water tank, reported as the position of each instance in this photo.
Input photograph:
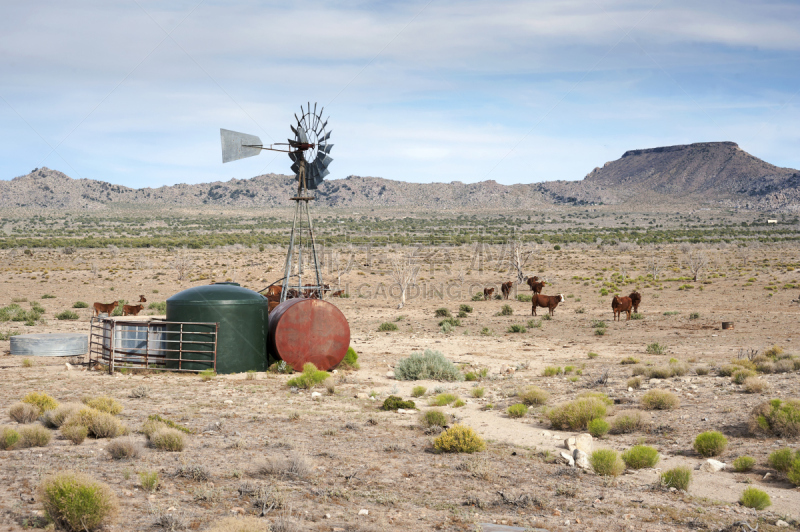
(242, 316)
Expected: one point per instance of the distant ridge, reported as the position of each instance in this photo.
(707, 172)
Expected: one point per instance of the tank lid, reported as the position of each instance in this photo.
(216, 294)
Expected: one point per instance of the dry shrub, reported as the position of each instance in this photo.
(766, 366)
(23, 413)
(660, 400)
(34, 436)
(678, 477)
(77, 502)
(239, 524)
(741, 375)
(8, 438)
(56, 417)
(41, 401)
(627, 421)
(755, 385)
(459, 439)
(74, 433)
(103, 404)
(533, 396)
(168, 439)
(478, 466)
(123, 448)
(634, 382)
(777, 417)
(295, 465)
(151, 426)
(98, 424)
(576, 414)
(784, 366)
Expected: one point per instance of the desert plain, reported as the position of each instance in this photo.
(355, 467)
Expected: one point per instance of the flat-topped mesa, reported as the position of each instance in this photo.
(680, 147)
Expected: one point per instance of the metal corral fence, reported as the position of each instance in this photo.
(155, 344)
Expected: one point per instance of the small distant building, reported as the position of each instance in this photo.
(772, 221)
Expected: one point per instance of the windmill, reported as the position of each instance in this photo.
(309, 151)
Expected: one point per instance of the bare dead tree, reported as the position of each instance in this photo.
(404, 274)
(518, 259)
(654, 266)
(697, 260)
(340, 265)
(183, 265)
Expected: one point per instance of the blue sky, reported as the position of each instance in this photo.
(134, 93)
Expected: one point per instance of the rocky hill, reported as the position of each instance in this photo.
(715, 172)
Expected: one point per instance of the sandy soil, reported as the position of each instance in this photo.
(362, 458)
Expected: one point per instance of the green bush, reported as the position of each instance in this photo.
(309, 378)
(98, 424)
(48, 296)
(781, 460)
(443, 399)
(8, 438)
(660, 400)
(534, 324)
(80, 304)
(149, 480)
(517, 328)
(478, 392)
(506, 310)
(600, 396)
(387, 326)
(637, 316)
(755, 498)
(678, 477)
(777, 417)
(453, 322)
(598, 427)
(434, 418)
(656, 349)
(743, 464)
(42, 401)
(207, 374)
(104, 404)
(393, 403)
(607, 463)
(77, 502)
(442, 313)
(477, 297)
(626, 421)
(576, 414)
(533, 396)
(158, 306)
(459, 439)
(168, 423)
(470, 376)
(428, 365)
(67, 315)
(418, 391)
(634, 382)
(592, 355)
(640, 456)
(552, 371)
(516, 411)
(168, 439)
(793, 474)
(465, 308)
(710, 443)
(629, 360)
(462, 314)
(350, 360)
(741, 375)
(525, 298)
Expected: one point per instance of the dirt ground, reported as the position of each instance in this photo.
(361, 458)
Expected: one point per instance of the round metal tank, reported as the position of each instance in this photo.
(50, 344)
(308, 330)
(242, 316)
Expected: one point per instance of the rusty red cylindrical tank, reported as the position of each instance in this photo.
(308, 330)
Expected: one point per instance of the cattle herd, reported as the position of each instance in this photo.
(618, 304)
(127, 310)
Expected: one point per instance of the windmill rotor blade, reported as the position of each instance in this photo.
(322, 127)
(324, 159)
(314, 126)
(326, 148)
(294, 130)
(295, 168)
(237, 145)
(296, 155)
(324, 138)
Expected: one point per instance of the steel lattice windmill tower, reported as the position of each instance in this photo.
(309, 152)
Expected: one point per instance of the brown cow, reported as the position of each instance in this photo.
(338, 293)
(548, 302)
(487, 293)
(142, 299)
(506, 288)
(620, 305)
(636, 299)
(108, 308)
(536, 286)
(132, 310)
